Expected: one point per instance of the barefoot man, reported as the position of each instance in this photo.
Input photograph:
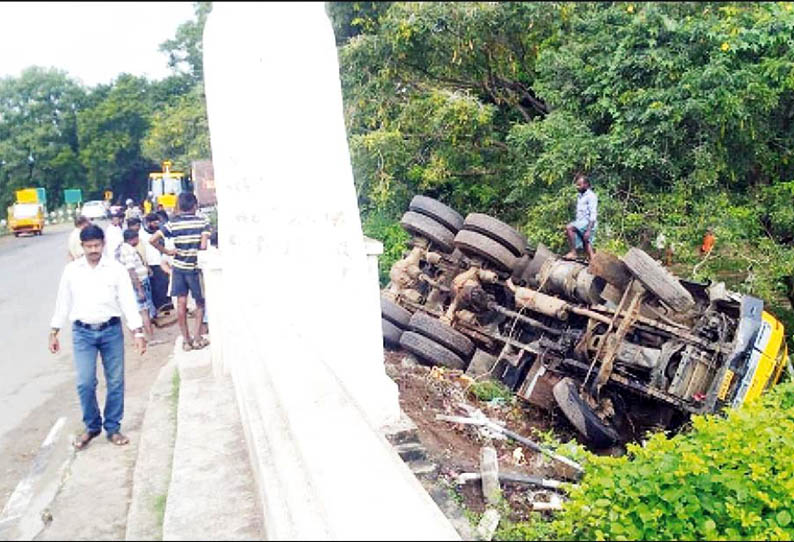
(95, 290)
(581, 232)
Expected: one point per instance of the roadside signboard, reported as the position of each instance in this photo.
(72, 195)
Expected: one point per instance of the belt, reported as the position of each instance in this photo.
(98, 327)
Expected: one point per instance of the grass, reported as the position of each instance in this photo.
(175, 389)
(488, 390)
(159, 509)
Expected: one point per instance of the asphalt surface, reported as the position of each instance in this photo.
(30, 268)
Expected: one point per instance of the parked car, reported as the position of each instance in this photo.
(94, 209)
(619, 345)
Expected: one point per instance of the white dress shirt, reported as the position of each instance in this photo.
(152, 254)
(95, 294)
(113, 239)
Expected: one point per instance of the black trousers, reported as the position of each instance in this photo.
(159, 281)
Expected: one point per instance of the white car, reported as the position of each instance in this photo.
(94, 209)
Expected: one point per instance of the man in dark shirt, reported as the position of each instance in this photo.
(190, 234)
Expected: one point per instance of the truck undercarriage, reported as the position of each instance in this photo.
(619, 345)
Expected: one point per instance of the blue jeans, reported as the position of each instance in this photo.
(110, 344)
(147, 304)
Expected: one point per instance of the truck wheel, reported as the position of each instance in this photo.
(426, 227)
(581, 416)
(610, 268)
(431, 351)
(440, 332)
(443, 214)
(658, 280)
(394, 313)
(498, 231)
(480, 245)
(391, 333)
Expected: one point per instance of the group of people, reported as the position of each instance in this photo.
(135, 271)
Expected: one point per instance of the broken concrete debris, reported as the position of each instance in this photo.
(488, 524)
(489, 471)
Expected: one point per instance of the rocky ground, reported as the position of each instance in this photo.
(426, 392)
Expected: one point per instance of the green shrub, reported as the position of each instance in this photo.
(488, 390)
(394, 239)
(729, 477)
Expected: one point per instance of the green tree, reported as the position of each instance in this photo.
(179, 131)
(185, 49)
(38, 133)
(111, 133)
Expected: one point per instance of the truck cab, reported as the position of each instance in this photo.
(26, 217)
(27, 213)
(166, 185)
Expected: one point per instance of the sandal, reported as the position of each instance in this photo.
(187, 346)
(199, 343)
(118, 439)
(83, 440)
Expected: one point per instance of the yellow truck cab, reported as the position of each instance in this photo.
(760, 352)
(27, 214)
(166, 185)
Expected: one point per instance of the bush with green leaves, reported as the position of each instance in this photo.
(393, 237)
(729, 477)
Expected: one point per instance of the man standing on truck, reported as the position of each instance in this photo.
(190, 234)
(93, 293)
(581, 232)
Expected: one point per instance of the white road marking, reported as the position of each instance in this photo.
(53, 434)
(23, 493)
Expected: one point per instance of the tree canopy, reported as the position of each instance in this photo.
(680, 113)
(57, 134)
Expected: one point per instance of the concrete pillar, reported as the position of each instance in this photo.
(289, 220)
(300, 324)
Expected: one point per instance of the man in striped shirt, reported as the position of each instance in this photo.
(189, 234)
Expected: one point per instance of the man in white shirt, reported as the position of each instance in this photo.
(93, 293)
(159, 277)
(114, 235)
(581, 232)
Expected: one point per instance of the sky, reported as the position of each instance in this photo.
(92, 41)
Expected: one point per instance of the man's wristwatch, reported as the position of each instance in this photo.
(139, 334)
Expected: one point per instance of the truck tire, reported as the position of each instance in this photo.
(426, 227)
(658, 280)
(394, 313)
(431, 351)
(498, 231)
(445, 215)
(609, 267)
(485, 247)
(391, 333)
(440, 332)
(581, 416)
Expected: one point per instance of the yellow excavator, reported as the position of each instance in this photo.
(166, 185)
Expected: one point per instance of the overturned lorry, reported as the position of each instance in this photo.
(620, 345)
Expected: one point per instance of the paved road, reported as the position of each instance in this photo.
(30, 268)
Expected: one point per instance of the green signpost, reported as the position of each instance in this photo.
(72, 195)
